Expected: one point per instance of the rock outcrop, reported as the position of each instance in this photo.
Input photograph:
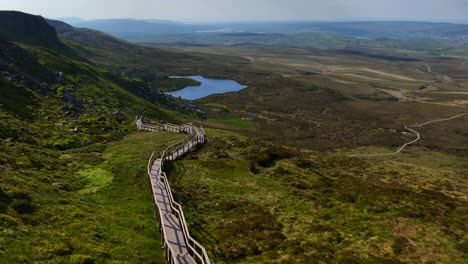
(28, 29)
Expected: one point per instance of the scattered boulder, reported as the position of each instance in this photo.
(119, 116)
(62, 79)
(76, 130)
(68, 98)
(87, 142)
(57, 184)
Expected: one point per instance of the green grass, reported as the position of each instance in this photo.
(98, 178)
(104, 212)
(237, 123)
(250, 202)
(415, 155)
(175, 84)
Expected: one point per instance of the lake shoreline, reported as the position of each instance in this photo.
(206, 88)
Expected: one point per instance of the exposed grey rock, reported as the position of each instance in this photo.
(29, 29)
(62, 79)
(87, 142)
(57, 184)
(68, 98)
(9, 139)
(119, 115)
(54, 88)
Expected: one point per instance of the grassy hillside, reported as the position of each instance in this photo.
(73, 185)
(252, 202)
(89, 204)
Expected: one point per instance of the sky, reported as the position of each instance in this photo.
(246, 10)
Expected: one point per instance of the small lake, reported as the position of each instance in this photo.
(207, 87)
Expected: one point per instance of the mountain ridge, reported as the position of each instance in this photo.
(29, 29)
(128, 28)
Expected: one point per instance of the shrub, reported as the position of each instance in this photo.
(251, 230)
(7, 221)
(401, 245)
(266, 155)
(23, 206)
(60, 249)
(81, 259)
(302, 163)
(64, 144)
(5, 200)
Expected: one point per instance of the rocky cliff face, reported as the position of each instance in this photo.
(28, 29)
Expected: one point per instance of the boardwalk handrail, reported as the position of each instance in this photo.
(195, 136)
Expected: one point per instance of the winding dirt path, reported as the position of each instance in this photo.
(429, 68)
(418, 136)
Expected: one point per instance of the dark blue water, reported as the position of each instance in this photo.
(207, 87)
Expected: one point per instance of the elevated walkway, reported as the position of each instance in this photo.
(180, 246)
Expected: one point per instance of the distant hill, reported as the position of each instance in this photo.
(70, 20)
(84, 35)
(132, 29)
(29, 29)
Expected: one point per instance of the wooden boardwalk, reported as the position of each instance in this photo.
(180, 246)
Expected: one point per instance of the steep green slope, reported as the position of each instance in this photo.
(72, 189)
(151, 65)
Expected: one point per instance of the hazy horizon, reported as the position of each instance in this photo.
(248, 11)
(195, 21)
